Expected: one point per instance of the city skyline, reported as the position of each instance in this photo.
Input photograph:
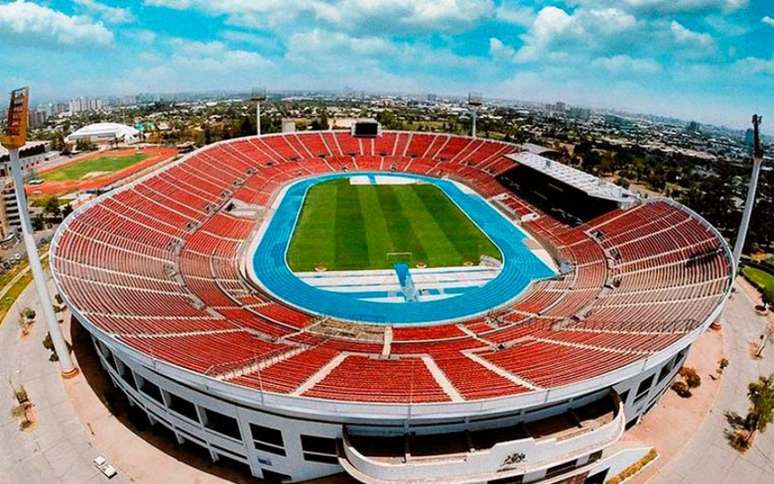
(707, 60)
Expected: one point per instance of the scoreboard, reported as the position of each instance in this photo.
(15, 133)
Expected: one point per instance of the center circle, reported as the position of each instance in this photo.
(389, 248)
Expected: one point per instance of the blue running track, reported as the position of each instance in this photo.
(520, 265)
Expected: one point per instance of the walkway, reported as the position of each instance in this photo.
(57, 449)
(707, 457)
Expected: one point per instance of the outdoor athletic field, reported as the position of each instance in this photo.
(347, 227)
(99, 166)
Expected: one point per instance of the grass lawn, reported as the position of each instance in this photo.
(77, 171)
(348, 227)
(7, 301)
(760, 278)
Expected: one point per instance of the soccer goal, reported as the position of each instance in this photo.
(395, 257)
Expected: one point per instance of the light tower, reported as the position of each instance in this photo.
(258, 96)
(475, 100)
(14, 137)
(757, 155)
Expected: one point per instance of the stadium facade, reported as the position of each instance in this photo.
(540, 388)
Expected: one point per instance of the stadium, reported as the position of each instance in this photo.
(398, 306)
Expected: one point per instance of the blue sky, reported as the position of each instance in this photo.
(709, 60)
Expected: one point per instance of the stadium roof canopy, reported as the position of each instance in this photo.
(589, 184)
(105, 131)
(27, 146)
(537, 149)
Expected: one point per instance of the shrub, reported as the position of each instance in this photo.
(768, 296)
(692, 379)
(722, 364)
(681, 389)
(29, 313)
(48, 344)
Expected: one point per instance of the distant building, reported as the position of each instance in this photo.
(31, 155)
(102, 133)
(288, 125)
(37, 118)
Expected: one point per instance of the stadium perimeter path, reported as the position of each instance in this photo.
(60, 448)
(706, 457)
(57, 448)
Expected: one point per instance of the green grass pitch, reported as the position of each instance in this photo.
(109, 164)
(352, 227)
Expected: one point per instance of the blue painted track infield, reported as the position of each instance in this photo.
(520, 265)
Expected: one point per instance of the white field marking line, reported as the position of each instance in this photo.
(414, 271)
(441, 380)
(361, 289)
(320, 374)
(386, 299)
(436, 297)
(503, 373)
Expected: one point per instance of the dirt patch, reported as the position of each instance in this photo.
(95, 174)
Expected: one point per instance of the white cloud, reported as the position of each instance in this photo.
(141, 35)
(674, 6)
(397, 16)
(215, 56)
(191, 65)
(308, 46)
(266, 43)
(555, 33)
(28, 22)
(550, 23)
(338, 52)
(755, 65)
(684, 36)
(111, 15)
(768, 21)
(515, 14)
(499, 50)
(623, 64)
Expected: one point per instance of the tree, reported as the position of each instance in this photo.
(51, 207)
(83, 144)
(58, 142)
(761, 413)
(38, 222)
(246, 127)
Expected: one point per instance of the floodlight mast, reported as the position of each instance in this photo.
(13, 139)
(475, 100)
(757, 155)
(258, 96)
